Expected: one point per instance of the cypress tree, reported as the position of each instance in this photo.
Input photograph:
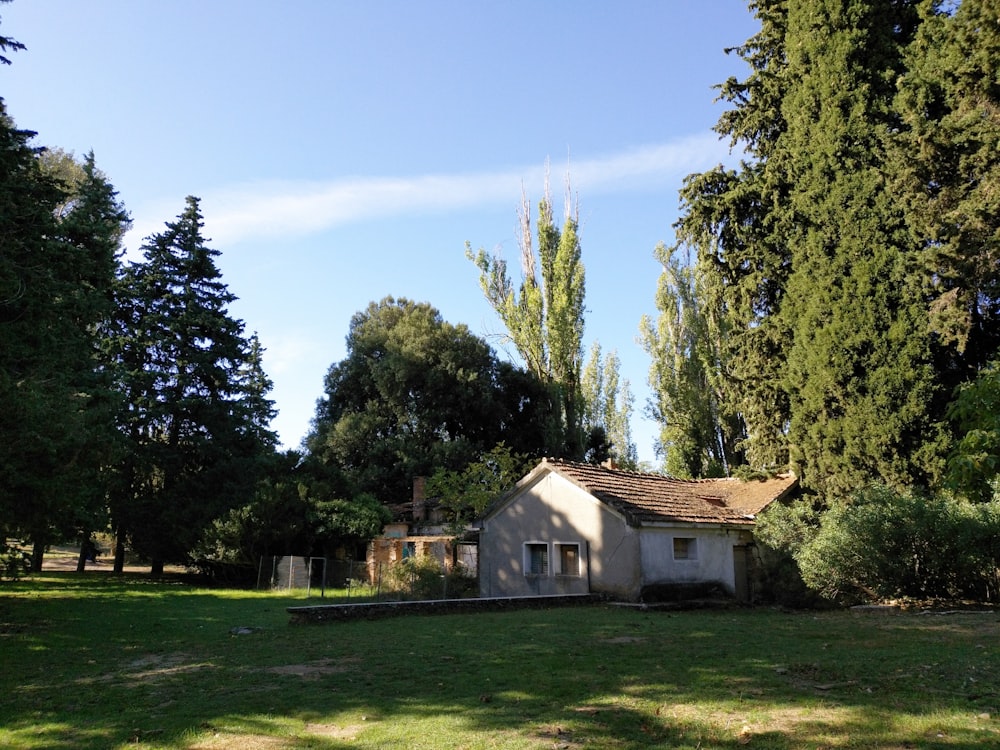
(859, 368)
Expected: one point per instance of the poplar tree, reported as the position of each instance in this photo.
(544, 317)
(697, 439)
(608, 404)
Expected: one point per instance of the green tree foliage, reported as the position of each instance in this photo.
(196, 411)
(608, 403)
(58, 255)
(60, 228)
(416, 394)
(849, 264)
(465, 493)
(886, 544)
(947, 166)
(544, 317)
(974, 464)
(859, 365)
(696, 438)
(293, 511)
(736, 223)
(37, 402)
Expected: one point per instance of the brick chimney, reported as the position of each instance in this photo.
(419, 499)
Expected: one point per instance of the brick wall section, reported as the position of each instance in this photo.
(377, 610)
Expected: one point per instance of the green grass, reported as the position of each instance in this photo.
(91, 661)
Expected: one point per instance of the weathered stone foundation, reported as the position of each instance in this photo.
(376, 610)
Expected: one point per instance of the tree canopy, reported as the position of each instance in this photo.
(415, 394)
(848, 263)
(544, 317)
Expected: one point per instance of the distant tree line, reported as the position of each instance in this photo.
(830, 306)
(133, 405)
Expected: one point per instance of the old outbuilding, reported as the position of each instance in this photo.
(572, 528)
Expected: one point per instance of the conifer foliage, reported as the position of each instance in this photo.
(196, 414)
(848, 266)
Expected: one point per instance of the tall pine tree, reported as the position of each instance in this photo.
(196, 410)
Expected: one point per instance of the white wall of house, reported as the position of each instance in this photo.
(709, 555)
(614, 558)
(554, 512)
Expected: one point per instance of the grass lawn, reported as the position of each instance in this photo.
(93, 661)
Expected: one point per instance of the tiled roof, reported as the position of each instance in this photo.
(655, 498)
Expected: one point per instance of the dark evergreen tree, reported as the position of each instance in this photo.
(196, 411)
(58, 248)
(736, 223)
(850, 262)
(92, 222)
(859, 369)
(35, 403)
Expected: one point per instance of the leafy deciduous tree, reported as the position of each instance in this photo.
(416, 394)
(544, 317)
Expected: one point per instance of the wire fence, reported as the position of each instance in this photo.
(420, 578)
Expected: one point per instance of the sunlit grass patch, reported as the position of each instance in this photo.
(99, 662)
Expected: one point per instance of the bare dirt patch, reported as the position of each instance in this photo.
(621, 639)
(334, 731)
(226, 740)
(245, 741)
(151, 668)
(315, 669)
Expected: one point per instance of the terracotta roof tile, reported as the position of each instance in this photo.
(651, 498)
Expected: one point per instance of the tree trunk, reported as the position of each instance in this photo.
(37, 556)
(119, 550)
(81, 561)
(156, 569)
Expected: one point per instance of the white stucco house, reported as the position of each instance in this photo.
(571, 528)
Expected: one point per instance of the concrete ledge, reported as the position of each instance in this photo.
(876, 609)
(377, 610)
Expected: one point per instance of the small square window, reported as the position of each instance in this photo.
(536, 559)
(569, 559)
(685, 548)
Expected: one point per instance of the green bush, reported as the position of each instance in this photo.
(423, 578)
(781, 531)
(886, 544)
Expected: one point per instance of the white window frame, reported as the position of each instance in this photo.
(526, 559)
(692, 549)
(558, 560)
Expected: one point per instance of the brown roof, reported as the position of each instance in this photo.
(655, 498)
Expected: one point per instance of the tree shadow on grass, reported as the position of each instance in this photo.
(160, 667)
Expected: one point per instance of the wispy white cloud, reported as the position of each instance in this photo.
(296, 208)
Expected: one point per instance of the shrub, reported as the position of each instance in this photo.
(424, 578)
(886, 544)
(781, 531)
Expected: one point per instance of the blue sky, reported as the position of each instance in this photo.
(346, 151)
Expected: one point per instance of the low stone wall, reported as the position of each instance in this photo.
(377, 610)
